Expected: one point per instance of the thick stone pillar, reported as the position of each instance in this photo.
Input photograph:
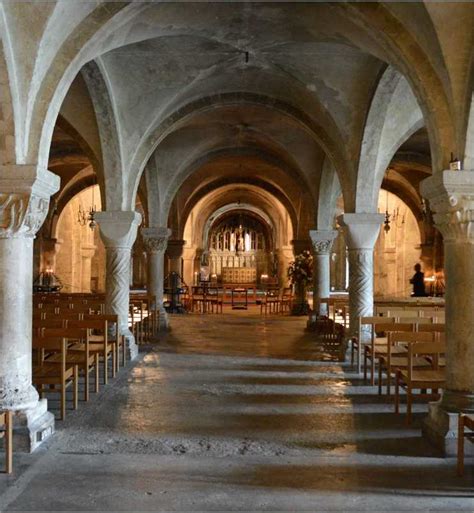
(451, 196)
(87, 252)
(24, 203)
(175, 253)
(156, 240)
(49, 251)
(189, 256)
(322, 243)
(118, 230)
(360, 232)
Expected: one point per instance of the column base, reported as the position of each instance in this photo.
(31, 427)
(163, 319)
(131, 344)
(440, 428)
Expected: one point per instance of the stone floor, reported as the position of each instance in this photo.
(235, 412)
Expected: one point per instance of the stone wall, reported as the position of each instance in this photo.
(80, 261)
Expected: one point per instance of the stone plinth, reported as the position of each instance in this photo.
(451, 197)
(118, 230)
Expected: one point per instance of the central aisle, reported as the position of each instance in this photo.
(235, 412)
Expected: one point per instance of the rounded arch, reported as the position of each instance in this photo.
(394, 116)
(429, 85)
(333, 146)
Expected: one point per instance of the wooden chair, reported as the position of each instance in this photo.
(411, 378)
(214, 299)
(465, 421)
(396, 355)
(271, 301)
(358, 343)
(114, 335)
(79, 352)
(6, 420)
(57, 375)
(378, 346)
(98, 343)
(287, 299)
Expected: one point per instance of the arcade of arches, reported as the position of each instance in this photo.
(219, 141)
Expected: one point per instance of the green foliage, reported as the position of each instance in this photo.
(301, 269)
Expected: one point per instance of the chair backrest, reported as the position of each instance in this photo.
(432, 349)
(435, 327)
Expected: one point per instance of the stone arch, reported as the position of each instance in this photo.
(102, 98)
(79, 46)
(394, 115)
(469, 152)
(429, 84)
(331, 142)
(9, 97)
(329, 192)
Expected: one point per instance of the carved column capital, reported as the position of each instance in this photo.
(322, 240)
(451, 197)
(156, 239)
(361, 230)
(118, 229)
(24, 199)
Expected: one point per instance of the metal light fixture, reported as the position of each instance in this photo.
(87, 217)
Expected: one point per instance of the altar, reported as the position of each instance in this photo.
(239, 276)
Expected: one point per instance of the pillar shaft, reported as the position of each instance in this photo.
(118, 231)
(24, 204)
(360, 232)
(156, 240)
(175, 253)
(322, 243)
(451, 196)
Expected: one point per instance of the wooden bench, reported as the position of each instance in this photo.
(411, 378)
(465, 421)
(54, 374)
(6, 420)
(78, 354)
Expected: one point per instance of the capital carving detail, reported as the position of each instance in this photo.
(156, 239)
(21, 214)
(451, 196)
(322, 240)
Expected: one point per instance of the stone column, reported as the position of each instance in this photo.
(87, 252)
(451, 196)
(175, 253)
(361, 232)
(156, 240)
(24, 203)
(118, 230)
(322, 243)
(189, 255)
(49, 251)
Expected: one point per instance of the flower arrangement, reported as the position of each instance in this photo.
(300, 270)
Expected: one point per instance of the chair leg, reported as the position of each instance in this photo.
(114, 360)
(63, 400)
(380, 377)
(75, 392)
(397, 392)
(124, 349)
(365, 365)
(96, 365)
(8, 442)
(460, 465)
(106, 365)
(86, 382)
(409, 401)
(372, 370)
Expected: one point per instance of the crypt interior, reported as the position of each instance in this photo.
(210, 218)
